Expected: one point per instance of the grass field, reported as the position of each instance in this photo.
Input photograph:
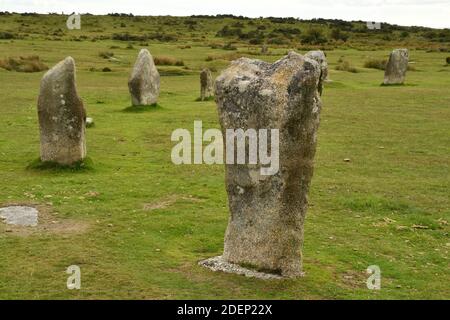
(137, 224)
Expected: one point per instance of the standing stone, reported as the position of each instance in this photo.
(206, 84)
(61, 115)
(264, 49)
(320, 57)
(265, 229)
(396, 67)
(144, 80)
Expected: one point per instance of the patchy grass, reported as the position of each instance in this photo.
(388, 206)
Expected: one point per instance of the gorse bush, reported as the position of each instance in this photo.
(379, 64)
(23, 64)
(168, 61)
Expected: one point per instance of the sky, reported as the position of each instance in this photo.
(429, 13)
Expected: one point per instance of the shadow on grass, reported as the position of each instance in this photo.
(399, 85)
(206, 99)
(80, 166)
(143, 108)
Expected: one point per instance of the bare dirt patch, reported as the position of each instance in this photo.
(169, 201)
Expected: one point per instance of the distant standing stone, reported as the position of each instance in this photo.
(144, 81)
(264, 49)
(265, 229)
(20, 216)
(396, 67)
(61, 116)
(206, 84)
(320, 57)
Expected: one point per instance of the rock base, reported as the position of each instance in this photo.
(219, 264)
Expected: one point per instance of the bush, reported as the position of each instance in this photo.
(314, 36)
(106, 54)
(346, 66)
(7, 35)
(23, 64)
(337, 34)
(379, 64)
(447, 60)
(168, 61)
(106, 69)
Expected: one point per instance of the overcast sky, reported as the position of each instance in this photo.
(430, 13)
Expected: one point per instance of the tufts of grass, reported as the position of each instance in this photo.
(379, 64)
(346, 66)
(23, 64)
(82, 165)
(168, 61)
(106, 54)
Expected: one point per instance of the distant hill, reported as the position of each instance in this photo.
(224, 30)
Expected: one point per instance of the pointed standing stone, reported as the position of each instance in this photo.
(61, 116)
(265, 230)
(396, 67)
(144, 81)
(206, 84)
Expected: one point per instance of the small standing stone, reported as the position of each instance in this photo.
(396, 67)
(264, 49)
(206, 84)
(265, 229)
(61, 116)
(144, 81)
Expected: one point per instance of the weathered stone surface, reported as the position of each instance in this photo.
(61, 116)
(144, 81)
(206, 84)
(19, 216)
(396, 67)
(320, 57)
(265, 229)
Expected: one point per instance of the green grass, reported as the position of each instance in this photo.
(368, 211)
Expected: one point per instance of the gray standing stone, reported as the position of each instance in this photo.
(320, 57)
(396, 67)
(206, 84)
(265, 229)
(61, 116)
(144, 81)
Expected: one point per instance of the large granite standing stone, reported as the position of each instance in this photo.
(265, 230)
(320, 57)
(61, 116)
(206, 84)
(396, 67)
(144, 81)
